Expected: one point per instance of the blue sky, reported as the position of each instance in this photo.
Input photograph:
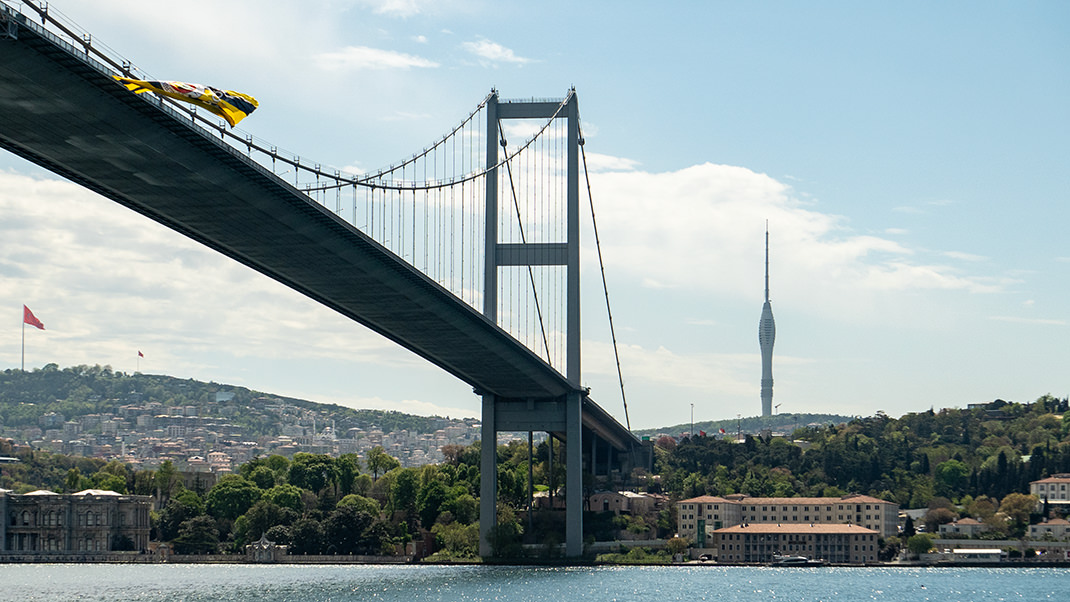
(911, 158)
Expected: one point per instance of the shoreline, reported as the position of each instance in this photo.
(227, 559)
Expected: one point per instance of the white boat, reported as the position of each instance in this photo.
(784, 560)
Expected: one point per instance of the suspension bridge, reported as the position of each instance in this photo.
(466, 253)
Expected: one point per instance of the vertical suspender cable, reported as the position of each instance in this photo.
(605, 287)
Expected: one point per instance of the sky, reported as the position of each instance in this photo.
(912, 160)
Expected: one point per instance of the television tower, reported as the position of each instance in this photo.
(766, 335)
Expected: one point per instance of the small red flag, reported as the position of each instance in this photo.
(722, 431)
(139, 354)
(702, 433)
(29, 318)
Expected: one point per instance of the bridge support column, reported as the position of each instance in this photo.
(574, 475)
(488, 480)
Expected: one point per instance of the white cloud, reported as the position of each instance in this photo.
(107, 282)
(702, 229)
(352, 58)
(600, 162)
(493, 52)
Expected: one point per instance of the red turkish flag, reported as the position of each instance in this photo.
(29, 318)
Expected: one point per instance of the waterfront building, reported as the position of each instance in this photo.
(1057, 528)
(766, 336)
(697, 517)
(44, 522)
(1053, 489)
(850, 544)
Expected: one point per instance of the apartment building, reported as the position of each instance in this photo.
(697, 517)
(843, 544)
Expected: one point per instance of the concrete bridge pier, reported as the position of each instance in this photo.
(558, 415)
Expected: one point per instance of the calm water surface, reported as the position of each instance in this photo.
(290, 583)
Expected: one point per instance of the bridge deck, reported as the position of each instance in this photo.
(65, 113)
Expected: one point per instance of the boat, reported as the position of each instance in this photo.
(784, 560)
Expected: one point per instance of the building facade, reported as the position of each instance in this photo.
(844, 544)
(1056, 528)
(969, 527)
(1055, 489)
(43, 522)
(697, 517)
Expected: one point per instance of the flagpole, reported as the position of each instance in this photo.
(23, 343)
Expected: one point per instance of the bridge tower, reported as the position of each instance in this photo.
(560, 415)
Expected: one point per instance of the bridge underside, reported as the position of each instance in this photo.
(63, 111)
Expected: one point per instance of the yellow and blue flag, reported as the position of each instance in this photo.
(228, 104)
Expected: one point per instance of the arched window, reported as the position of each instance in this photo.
(25, 517)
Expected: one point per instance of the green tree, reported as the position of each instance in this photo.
(109, 482)
(179, 509)
(314, 472)
(197, 535)
(285, 496)
(920, 544)
(232, 497)
(403, 491)
(952, 477)
(677, 545)
(429, 502)
(167, 481)
(306, 536)
(459, 541)
(378, 461)
(344, 530)
(264, 477)
(363, 504)
(1017, 507)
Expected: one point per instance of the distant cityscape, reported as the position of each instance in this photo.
(204, 438)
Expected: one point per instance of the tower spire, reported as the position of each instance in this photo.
(766, 336)
(766, 261)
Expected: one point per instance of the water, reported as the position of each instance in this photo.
(293, 583)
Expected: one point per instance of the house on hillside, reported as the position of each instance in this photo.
(1057, 528)
(968, 527)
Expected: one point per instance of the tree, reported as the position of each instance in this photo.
(232, 497)
(677, 545)
(306, 536)
(920, 544)
(285, 496)
(363, 504)
(179, 509)
(344, 530)
(1017, 507)
(314, 472)
(429, 502)
(379, 461)
(952, 476)
(167, 481)
(403, 492)
(198, 535)
(263, 476)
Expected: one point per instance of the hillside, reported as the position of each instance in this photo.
(83, 390)
(779, 424)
